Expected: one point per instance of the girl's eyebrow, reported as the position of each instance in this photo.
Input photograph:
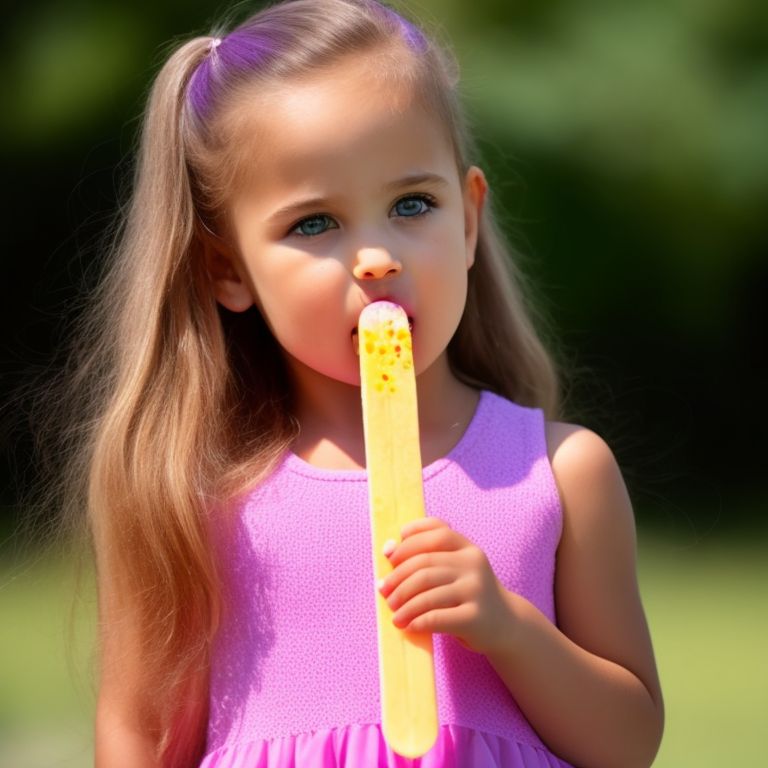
(317, 203)
(300, 206)
(416, 179)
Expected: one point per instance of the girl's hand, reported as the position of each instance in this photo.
(442, 582)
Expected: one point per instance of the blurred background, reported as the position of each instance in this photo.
(627, 148)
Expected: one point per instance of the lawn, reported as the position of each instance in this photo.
(705, 604)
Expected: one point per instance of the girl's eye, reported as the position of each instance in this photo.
(413, 205)
(314, 225)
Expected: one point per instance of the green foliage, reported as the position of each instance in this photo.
(67, 69)
(625, 143)
(656, 107)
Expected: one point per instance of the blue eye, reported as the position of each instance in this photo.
(413, 205)
(314, 225)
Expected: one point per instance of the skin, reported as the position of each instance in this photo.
(329, 224)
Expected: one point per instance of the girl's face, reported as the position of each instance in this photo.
(355, 196)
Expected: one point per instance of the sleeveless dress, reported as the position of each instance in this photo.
(294, 672)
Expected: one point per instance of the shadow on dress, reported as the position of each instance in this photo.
(247, 631)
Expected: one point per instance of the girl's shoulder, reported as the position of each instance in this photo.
(577, 453)
(587, 475)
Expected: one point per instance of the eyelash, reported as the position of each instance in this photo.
(430, 201)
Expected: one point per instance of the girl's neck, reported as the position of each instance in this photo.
(331, 420)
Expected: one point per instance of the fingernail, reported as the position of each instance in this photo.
(389, 547)
(380, 584)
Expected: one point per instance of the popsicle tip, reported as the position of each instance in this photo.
(383, 312)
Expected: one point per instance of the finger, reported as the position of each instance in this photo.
(439, 597)
(452, 620)
(410, 566)
(393, 580)
(437, 539)
(422, 580)
(421, 524)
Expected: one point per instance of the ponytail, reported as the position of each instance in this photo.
(147, 497)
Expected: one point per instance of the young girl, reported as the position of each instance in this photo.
(305, 164)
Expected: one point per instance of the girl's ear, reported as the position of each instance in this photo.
(475, 191)
(229, 287)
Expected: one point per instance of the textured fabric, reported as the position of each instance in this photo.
(294, 674)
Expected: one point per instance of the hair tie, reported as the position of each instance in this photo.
(215, 43)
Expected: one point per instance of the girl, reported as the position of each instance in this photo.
(307, 163)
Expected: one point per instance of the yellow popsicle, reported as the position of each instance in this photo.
(393, 460)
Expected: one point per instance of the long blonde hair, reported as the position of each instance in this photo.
(176, 405)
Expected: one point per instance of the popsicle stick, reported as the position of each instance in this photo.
(396, 496)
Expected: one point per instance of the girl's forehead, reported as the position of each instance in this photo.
(331, 117)
(334, 94)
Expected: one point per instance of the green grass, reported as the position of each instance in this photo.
(46, 690)
(705, 605)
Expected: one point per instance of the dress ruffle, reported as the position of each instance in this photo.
(363, 746)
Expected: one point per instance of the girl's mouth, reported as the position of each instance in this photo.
(356, 341)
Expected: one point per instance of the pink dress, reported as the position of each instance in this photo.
(294, 674)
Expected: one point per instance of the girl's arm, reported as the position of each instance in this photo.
(119, 744)
(589, 685)
(122, 737)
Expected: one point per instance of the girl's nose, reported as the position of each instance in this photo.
(375, 263)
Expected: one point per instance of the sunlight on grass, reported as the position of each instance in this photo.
(705, 606)
(46, 697)
(702, 604)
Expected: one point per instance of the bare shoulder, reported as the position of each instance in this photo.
(577, 450)
(587, 474)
